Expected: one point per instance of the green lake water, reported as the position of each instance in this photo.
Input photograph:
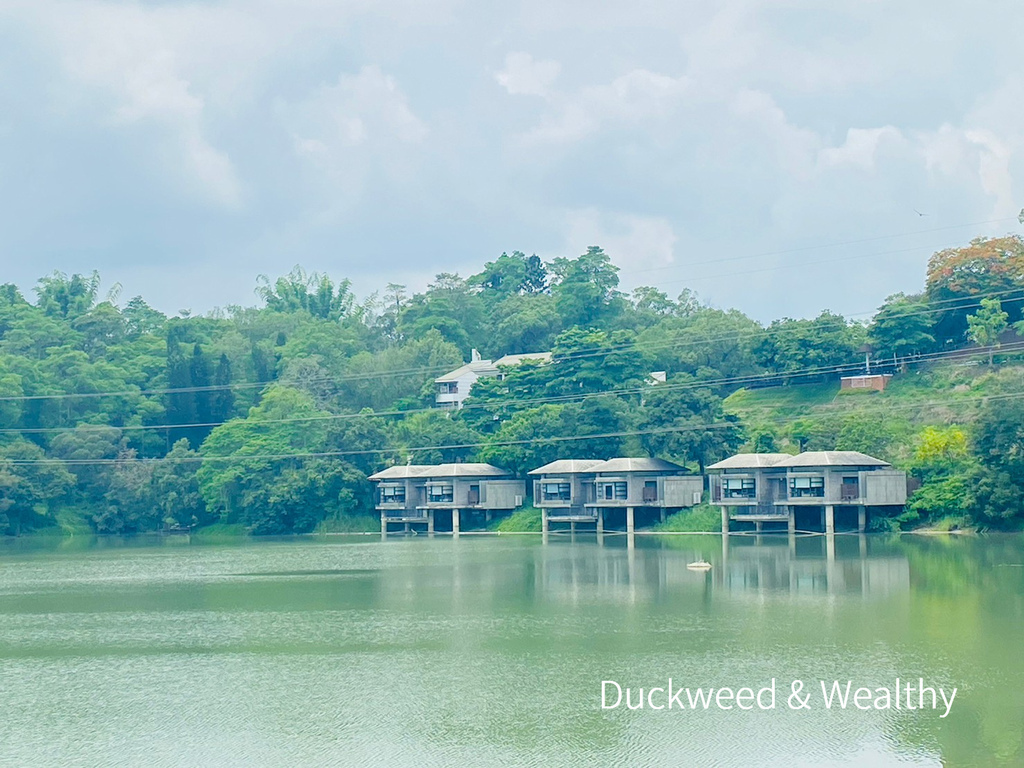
(490, 650)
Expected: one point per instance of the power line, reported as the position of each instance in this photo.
(552, 399)
(486, 444)
(974, 301)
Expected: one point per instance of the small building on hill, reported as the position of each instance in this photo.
(453, 388)
(873, 381)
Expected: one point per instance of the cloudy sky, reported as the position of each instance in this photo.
(772, 156)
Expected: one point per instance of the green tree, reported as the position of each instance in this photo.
(585, 289)
(824, 344)
(130, 503)
(985, 326)
(683, 421)
(902, 327)
(175, 488)
(998, 445)
(66, 297)
(30, 487)
(958, 277)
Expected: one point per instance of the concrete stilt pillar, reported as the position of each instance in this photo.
(600, 521)
(862, 519)
(487, 516)
(758, 526)
(430, 522)
(662, 510)
(455, 522)
(830, 519)
(791, 521)
(383, 526)
(544, 525)
(572, 529)
(406, 528)
(629, 520)
(725, 520)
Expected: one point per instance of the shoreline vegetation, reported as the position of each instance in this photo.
(267, 420)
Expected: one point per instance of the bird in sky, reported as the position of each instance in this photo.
(919, 213)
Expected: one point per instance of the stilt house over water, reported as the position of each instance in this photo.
(807, 491)
(449, 494)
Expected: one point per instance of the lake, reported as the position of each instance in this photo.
(491, 650)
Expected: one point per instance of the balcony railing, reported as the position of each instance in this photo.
(406, 513)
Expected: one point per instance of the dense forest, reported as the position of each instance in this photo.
(118, 419)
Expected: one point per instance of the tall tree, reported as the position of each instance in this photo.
(985, 326)
(959, 277)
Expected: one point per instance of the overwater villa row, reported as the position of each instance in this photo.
(817, 490)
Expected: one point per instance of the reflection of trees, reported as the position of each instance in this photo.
(967, 612)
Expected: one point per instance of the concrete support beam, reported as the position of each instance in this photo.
(430, 522)
(862, 519)
(662, 510)
(725, 519)
(758, 526)
(544, 525)
(791, 521)
(600, 521)
(383, 526)
(455, 522)
(487, 516)
(629, 520)
(830, 519)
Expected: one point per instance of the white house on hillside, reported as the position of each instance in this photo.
(453, 388)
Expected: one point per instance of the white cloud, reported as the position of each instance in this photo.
(129, 57)
(365, 108)
(860, 148)
(633, 98)
(740, 126)
(524, 76)
(633, 241)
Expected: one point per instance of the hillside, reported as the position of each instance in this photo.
(955, 427)
(885, 424)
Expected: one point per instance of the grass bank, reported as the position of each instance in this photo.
(703, 518)
(527, 520)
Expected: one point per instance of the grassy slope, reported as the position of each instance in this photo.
(941, 395)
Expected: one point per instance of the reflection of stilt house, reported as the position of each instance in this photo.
(413, 494)
(805, 491)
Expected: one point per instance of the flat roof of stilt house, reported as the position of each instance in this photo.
(637, 465)
(463, 470)
(566, 467)
(402, 471)
(751, 461)
(832, 459)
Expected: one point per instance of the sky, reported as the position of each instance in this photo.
(776, 157)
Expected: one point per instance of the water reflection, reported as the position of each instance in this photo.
(487, 650)
(742, 565)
